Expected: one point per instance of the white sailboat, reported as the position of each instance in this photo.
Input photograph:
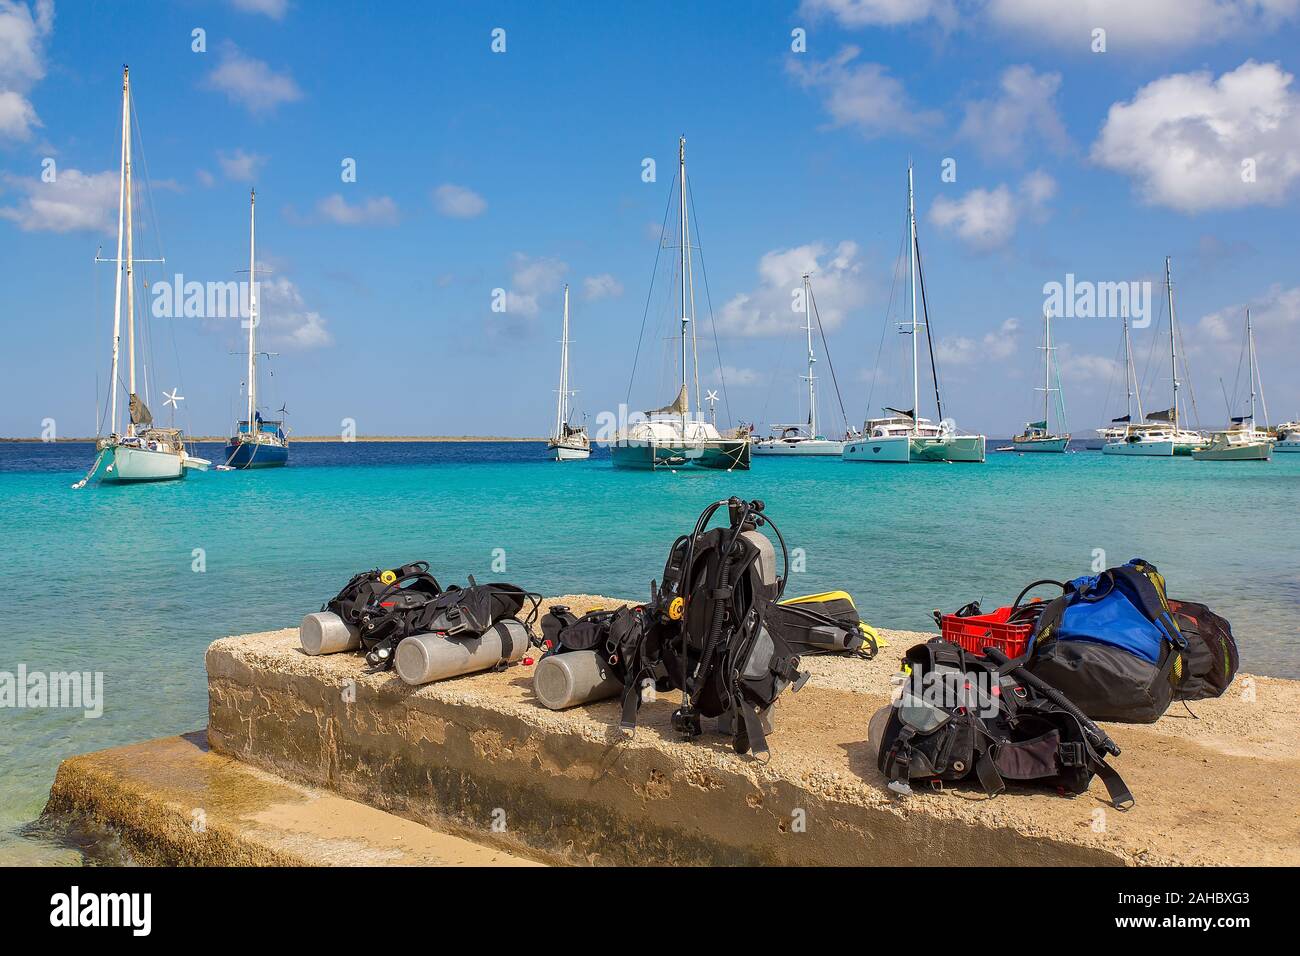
(568, 442)
(1156, 434)
(1038, 436)
(1124, 436)
(672, 436)
(141, 451)
(804, 438)
(1242, 440)
(902, 436)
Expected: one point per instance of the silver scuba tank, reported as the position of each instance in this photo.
(324, 632)
(424, 658)
(572, 678)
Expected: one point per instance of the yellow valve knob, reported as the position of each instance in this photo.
(675, 609)
(388, 577)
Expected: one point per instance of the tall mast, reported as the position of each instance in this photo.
(812, 390)
(1250, 344)
(1173, 339)
(561, 406)
(911, 281)
(1047, 367)
(130, 248)
(121, 208)
(681, 167)
(252, 312)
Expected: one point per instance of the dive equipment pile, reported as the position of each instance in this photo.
(403, 616)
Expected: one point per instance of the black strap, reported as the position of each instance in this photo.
(753, 729)
(1121, 798)
(987, 772)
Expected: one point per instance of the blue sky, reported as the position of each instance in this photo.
(522, 170)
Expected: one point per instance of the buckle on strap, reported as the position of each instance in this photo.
(1073, 754)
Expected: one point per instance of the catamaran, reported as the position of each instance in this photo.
(1037, 436)
(803, 438)
(1242, 440)
(671, 436)
(568, 442)
(257, 442)
(143, 451)
(901, 435)
(1288, 437)
(1156, 434)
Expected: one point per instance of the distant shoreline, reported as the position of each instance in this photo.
(208, 439)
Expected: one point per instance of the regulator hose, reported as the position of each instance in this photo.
(1096, 736)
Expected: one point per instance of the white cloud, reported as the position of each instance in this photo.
(837, 283)
(285, 320)
(986, 219)
(1140, 24)
(854, 14)
(75, 201)
(205, 178)
(275, 9)
(529, 280)
(23, 32)
(603, 286)
(736, 377)
(458, 202)
(1021, 119)
(375, 211)
(862, 95)
(1183, 138)
(251, 83)
(1275, 316)
(993, 346)
(240, 166)
(1087, 370)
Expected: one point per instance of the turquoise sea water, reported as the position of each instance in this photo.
(103, 579)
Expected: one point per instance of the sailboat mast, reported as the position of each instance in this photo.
(1173, 339)
(812, 389)
(252, 311)
(561, 405)
(1250, 344)
(1047, 368)
(681, 168)
(121, 211)
(130, 255)
(911, 281)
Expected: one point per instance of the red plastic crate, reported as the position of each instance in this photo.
(979, 631)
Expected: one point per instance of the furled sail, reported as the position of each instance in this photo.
(679, 406)
(908, 413)
(1124, 418)
(140, 414)
(1165, 416)
(1039, 425)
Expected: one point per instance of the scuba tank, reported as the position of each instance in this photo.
(575, 677)
(425, 658)
(324, 632)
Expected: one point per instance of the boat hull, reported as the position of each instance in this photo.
(563, 452)
(247, 454)
(1139, 449)
(124, 465)
(961, 448)
(725, 455)
(820, 447)
(896, 449)
(1260, 451)
(1053, 445)
(1289, 445)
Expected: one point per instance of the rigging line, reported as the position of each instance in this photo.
(929, 339)
(884, 328)
(771, 385)
(659, 247)
(826, 350)
(708, 297)
(1151, 352)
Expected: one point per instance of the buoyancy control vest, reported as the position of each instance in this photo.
(961, 716)
(704, 630)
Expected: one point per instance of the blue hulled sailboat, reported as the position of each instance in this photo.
(257, 442)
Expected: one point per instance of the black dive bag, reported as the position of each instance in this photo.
(388, 606)
(963, 716)
(704, 631)
(822, 624)
(615, 635)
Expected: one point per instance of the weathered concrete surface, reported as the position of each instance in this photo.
(173, 802)
(461, 754)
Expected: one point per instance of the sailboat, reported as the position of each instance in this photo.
(803, 438)
(1155, 434)
(568, 442)
(901, 435)
(1241, 441)
(1037, 436)
(257, 442)
(142, 451)
(672, 436)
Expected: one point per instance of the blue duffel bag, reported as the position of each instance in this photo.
(1110, 643)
